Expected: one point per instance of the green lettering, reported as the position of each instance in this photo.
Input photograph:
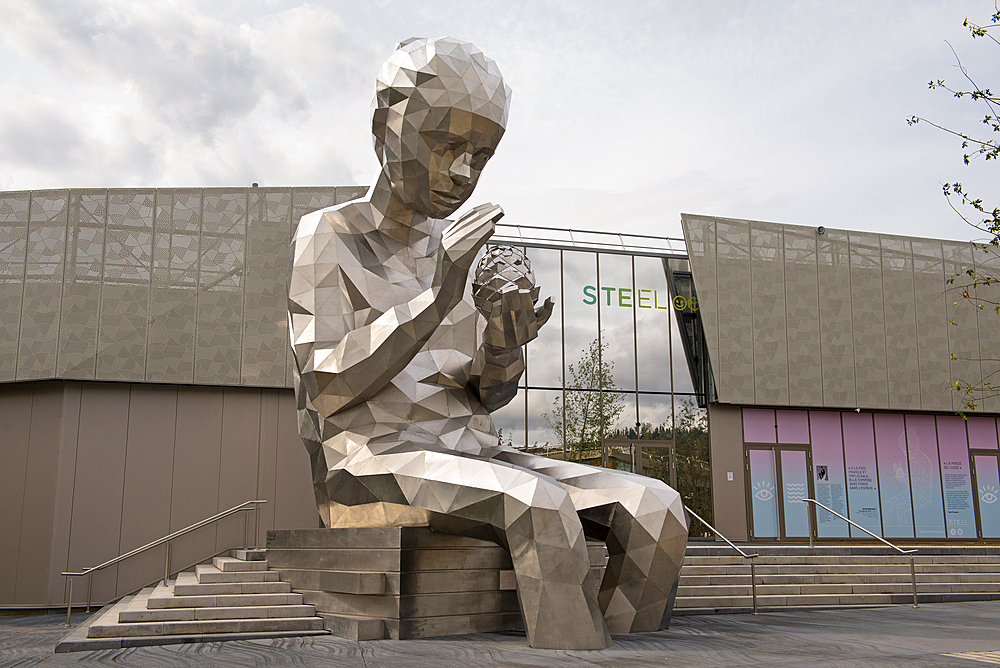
(589, 292)
(641, 298)
(609, 291)
(623, 298)
(656, 301)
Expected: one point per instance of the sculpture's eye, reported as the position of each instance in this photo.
(480, 158)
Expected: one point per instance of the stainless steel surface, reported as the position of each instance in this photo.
(913, 572)
(748, 557)
(396, 370)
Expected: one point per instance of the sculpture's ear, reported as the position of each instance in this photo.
(407, 41)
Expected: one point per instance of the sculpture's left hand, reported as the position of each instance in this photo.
(514, 320)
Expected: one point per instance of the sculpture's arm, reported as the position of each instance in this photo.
(499, 362)
(342, 363)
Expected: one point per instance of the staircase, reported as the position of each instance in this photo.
(233, 598)
(715, 579)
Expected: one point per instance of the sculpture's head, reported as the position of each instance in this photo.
(439, 111)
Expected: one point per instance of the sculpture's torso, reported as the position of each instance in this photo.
(430, 401)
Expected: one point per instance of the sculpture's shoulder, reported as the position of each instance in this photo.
(354, 218)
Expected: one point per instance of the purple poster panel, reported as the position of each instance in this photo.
(956, 475)
(758, 425)
(988, 479)
(925, 476)
(982, 433)
(793, 427)
(829, 482)
(893, 475)
(862, 473)
(795, 488)
(764, 504)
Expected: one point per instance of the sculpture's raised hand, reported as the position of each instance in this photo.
(461, 243)
(514, 321)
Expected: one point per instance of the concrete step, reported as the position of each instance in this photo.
(354, 627)
(764, 568)
(205, 626)
(859, 560)
(249, 554)
(744, 603)
(839, 588)
(163, 597)
(187, 584)
(833, 578)
(189, 614)
(229, 564)
(208, 574)
(797, 549)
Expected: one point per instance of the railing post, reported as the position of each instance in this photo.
(913, 579)
(69, 601)
(166, 565)
(246, 530)
(90, 587)
(811, 510)
(256, 525)
(753, 585)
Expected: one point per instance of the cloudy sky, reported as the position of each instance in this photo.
(624, 114)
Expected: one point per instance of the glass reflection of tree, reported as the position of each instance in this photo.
(589, 413)
(694, 475)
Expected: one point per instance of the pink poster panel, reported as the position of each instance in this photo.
(982, 433)
(893, 475)
(793, 427)
(829, 481)
(925, 476)
(758, 425)
(956, 474)
(862, 473)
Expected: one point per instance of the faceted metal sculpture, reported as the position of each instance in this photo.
(397, 370)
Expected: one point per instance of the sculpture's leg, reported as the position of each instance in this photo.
(644, 526)
(532, 513)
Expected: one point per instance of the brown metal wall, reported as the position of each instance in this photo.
(92, 470)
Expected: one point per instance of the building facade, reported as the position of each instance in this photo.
(145, 378)
(832, 354)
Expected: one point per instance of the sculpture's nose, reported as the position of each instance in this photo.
(461, 168)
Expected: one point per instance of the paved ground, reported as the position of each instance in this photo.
(894, 636)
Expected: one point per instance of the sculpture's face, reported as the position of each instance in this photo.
(438, 161)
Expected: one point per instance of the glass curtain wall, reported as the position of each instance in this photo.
(608, 371)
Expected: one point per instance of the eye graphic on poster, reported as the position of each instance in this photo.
(822, 473)
(988, 494)
(763, 491)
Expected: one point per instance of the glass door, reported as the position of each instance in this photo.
(779, 481)
(988, 497)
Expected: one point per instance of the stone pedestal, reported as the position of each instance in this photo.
(403, 582)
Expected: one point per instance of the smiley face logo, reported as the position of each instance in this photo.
(680, 303)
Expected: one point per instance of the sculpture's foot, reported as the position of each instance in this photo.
(563, 616)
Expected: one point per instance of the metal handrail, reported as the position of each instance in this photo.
(909, 553)
(246, 506)
(748, 557)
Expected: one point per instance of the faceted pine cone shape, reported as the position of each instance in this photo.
(502, 268)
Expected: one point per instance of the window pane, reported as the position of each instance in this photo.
(580, 276)
(654, 323)
(615, 300)
(545, 352)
